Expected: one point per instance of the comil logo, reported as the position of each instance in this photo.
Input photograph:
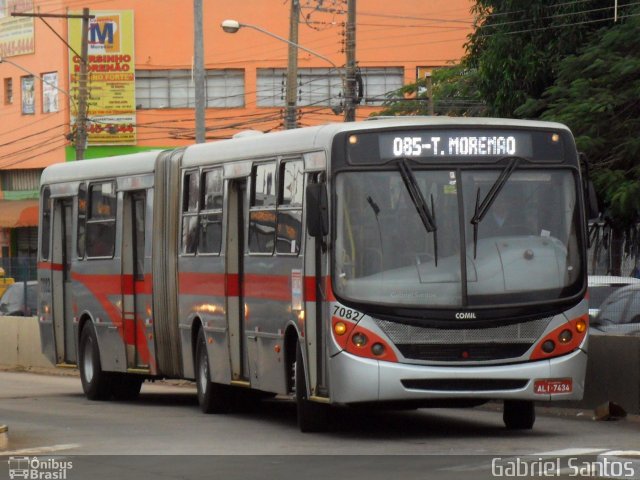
(465, 316)
(104, 34)
(37, 469)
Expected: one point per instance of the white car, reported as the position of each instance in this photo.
(601, 286)
(619, 313)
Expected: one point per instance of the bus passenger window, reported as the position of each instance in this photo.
(289, 231)
(82, 217)
(262, 216)
(190, 197)
(45, 223)
(101, 224)
(211, 213)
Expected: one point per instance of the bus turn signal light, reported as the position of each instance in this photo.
(339, 328)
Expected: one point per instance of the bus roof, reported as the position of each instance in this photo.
(287, 142)
(300, 140)
(106, 167)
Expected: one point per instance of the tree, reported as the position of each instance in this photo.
(453, 92)
(597, 94)
(511, 58)
(517, 45)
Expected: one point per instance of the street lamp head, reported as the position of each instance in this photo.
(230, 26)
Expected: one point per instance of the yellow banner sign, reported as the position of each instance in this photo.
(16, 33)
(111, 80)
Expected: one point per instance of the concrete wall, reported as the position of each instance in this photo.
(20, 343)
(613, 370)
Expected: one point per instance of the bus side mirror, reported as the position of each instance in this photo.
(317, 210)
(592, 202)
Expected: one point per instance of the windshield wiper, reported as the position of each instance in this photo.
(481, 208)
(426, 215)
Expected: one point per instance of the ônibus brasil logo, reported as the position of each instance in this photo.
(33, 468)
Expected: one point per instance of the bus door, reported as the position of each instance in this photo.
(133, 285)
(61, 281)
(235, 251)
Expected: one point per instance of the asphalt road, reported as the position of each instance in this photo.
(48, 417)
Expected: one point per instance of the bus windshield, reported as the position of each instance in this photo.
(523, 248)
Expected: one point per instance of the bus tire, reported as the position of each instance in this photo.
(212, 397)
(126, 386)
(312, 417)
(519, 414)
(96, 383)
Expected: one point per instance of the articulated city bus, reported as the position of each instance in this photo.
(407, 262)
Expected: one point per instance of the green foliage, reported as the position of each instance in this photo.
(518, 43)
(454, 93)
(597, 94)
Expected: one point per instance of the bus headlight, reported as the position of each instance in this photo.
(565, 336)
(359, 339)
(548, 346)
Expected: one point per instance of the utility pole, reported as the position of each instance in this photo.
(350, 74)
(83, 92)
(198, 71)
(291, 98)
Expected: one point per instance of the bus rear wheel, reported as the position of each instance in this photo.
(212, 397)
(312, 417)
(96, 383)
(519, 414)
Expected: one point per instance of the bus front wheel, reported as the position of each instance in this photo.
(211, 396)
(312, 417)
(96, 383)
(519, 414)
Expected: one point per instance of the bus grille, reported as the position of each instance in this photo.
(465, 384)
(470, 344)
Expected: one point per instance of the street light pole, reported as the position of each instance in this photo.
(198, 70)
(232, 26)
(81, 119)
(350, 87)
(290, 120)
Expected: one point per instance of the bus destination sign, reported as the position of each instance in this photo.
(427, 144)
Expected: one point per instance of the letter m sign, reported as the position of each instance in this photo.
(102, 35)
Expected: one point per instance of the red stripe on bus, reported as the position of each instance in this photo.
(57, 267)
(271, 287)
(268, 287)
(233, 285)
(192, 283)
(309, 289)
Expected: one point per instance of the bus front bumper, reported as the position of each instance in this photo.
(355, 380)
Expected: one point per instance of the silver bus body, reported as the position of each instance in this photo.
(258, 286)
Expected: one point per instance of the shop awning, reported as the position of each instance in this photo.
(18, 213)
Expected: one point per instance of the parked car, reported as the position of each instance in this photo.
(619, 312)
(13, 303)
(601, 286)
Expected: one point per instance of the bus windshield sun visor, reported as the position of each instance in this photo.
(482, 208)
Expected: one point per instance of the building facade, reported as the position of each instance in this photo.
(141, 92)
